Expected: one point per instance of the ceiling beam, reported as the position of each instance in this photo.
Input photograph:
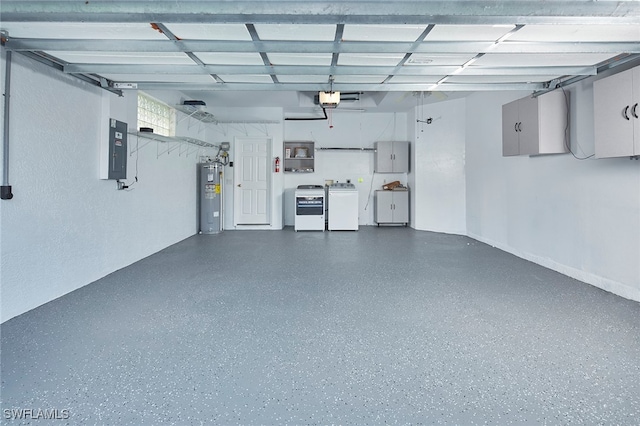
(263, 54)
(162, 46)
(422, 12)
(164, 30)
(407, 55)
(417, 70)
(341, 87)
(94, 80)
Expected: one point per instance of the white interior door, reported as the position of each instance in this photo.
(252, 179)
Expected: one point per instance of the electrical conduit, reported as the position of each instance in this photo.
(6, 188)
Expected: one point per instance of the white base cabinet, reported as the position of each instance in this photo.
(617, 114)
(391, 207)
(534, 126)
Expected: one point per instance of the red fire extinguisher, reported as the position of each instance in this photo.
(277, 164)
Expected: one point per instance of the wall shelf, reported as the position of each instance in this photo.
(196, 113)
(208, 118)
(345, 149)
(299, 157)
(177, 140)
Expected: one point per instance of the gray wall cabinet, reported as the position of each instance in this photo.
(617, 114)
(532, 126)
(391, 157)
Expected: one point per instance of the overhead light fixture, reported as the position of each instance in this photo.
(125, 85)
(329, 99)
(419, 60)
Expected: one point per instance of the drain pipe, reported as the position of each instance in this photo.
(5, 192)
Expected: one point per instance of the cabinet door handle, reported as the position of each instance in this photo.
(633, 111)
(520, 127)
(624, 112)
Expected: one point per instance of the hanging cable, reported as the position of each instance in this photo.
(567, 143)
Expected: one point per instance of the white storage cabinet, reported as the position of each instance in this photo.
(533, 126)
(391, 207)
(391, 157)
(616, 114)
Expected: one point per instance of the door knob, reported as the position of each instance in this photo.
(239, 185)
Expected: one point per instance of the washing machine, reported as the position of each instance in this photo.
(343, 207)
(309, 208)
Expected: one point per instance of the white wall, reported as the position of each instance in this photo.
(245, 123)
(438, 167)
(353, 130)
(581, 218)
(65, 227)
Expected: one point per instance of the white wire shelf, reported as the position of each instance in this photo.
(198, 114)
(172, 139)
(172, 143)
(198, 142)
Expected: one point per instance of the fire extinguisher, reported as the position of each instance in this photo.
(277, 164)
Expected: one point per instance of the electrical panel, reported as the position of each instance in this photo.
(114, 155)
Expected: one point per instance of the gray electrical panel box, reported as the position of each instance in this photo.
(117, 149)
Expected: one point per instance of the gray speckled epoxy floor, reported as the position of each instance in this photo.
(384, 325)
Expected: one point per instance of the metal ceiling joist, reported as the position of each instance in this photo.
(340, 87)
(162, 28)
(98, 81)
(273, 46)
(324, 12)
(410, 51)
(263, 54)
(113, 69)
(241, 72)
(632, 60)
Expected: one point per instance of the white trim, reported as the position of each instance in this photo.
(615, 287)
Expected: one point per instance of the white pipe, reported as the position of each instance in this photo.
(6, 188)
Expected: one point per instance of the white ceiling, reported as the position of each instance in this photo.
(281, 52)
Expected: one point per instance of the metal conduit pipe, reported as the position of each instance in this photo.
(324, 111)
(6, 193)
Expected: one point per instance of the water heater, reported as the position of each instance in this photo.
(210, 198)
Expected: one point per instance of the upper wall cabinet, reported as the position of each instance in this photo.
(532, 126)
(616, 112)
(391, 157)
(299, 157)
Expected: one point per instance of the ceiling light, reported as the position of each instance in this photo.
(419, 60)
